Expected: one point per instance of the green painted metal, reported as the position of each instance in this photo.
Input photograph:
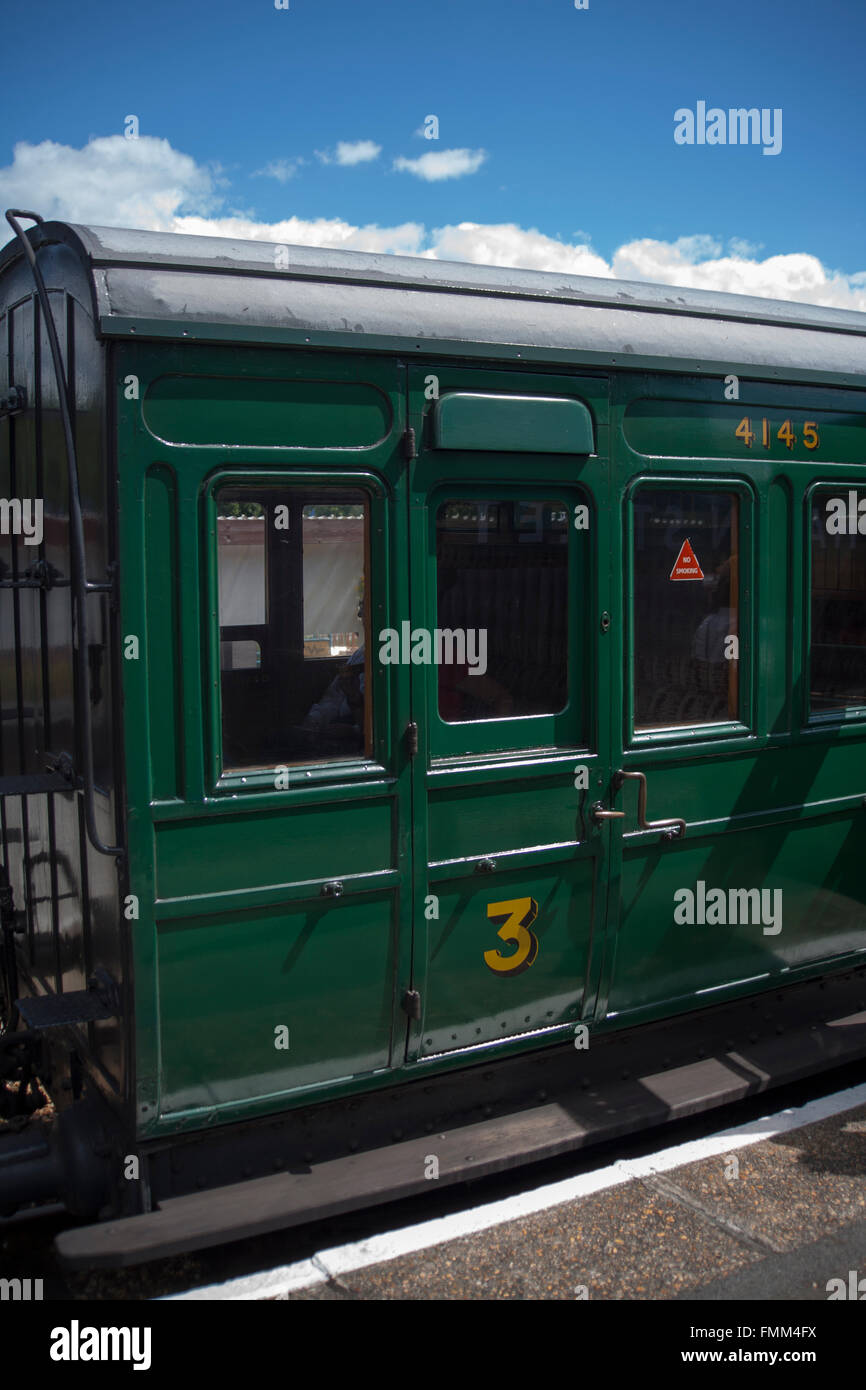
(267, 412)
(234, 939)
(421, 348)
(664, 427)
(512, 424)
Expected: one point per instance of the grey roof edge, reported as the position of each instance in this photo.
(128, 247)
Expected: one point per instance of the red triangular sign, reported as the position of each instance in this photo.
(687, 566)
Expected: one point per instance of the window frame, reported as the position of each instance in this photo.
(717, 730)
(570, 729)
(845, 714)
(222, 781)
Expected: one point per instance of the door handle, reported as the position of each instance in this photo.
(674, 829)
(599, 813)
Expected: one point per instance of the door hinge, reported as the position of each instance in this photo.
(412, 739)
(411, 1004)
(410, 448)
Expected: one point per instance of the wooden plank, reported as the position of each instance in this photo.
(570, 1121)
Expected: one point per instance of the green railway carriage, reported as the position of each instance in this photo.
(358, 613)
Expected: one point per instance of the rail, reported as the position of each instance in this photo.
(81, 587)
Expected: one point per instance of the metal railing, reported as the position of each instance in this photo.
(81, 587)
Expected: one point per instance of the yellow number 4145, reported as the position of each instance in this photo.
(785, 432)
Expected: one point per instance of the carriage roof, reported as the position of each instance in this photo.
(178, 286)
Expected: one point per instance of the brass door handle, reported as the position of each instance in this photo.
(599, 813)
(674, 829)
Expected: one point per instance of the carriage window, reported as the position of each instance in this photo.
(502, 608)
(837, 676)
(685, 601)
(292, 573)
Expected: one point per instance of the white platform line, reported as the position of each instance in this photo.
(343, 1259)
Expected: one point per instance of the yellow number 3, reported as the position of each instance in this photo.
(519, 913)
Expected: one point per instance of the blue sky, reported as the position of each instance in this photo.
(565, 119)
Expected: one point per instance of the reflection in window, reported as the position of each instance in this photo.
(293, 657)
(240, 656)
(838, 650)
(502, 570)
(686, 608)
(242, 583)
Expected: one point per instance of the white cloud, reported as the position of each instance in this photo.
(406, 239)
(357, 151)
(794, 275)
(351, 152)
(442, 164)
(740, 246)
(280, 169)
(133, 183)
(509, 245)
(146, 183)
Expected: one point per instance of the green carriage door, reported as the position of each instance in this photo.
(507, 529)
(688, 749)
(282, 970)
(737, 858)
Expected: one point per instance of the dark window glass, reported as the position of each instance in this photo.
(502, 608)
(686, 608)
(838, 654)
(292, 616)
